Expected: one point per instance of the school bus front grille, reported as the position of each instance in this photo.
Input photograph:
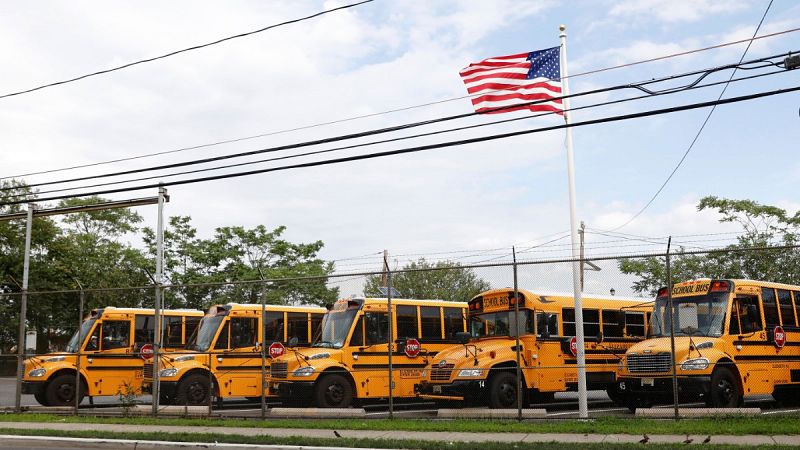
(279, 370)
(442, 373)
(147, 371)
(650, 363)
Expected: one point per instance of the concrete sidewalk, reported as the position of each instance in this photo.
(749, 440)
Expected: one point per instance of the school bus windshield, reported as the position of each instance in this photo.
(702, 315)
(335, 326)
(77, 338)
(204, 334)
(500, 323)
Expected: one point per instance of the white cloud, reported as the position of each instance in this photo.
(673, 11)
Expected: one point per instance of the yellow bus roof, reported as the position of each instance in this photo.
(166, 312)
(257, 307)
(567, 299)
(411, 301)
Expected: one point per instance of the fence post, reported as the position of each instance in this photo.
(263, 347)
(78, 351)
(672, 333)
(157, 319)
(390, 338)
(516, 325)
(23, 309)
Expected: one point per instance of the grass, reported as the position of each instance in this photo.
(342, 442)
(785, 425)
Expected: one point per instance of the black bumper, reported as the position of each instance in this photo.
(166, 388)
(32, 387)
(689, 388)
(293, 391)
(466, 389)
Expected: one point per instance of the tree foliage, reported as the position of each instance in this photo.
(443, 280)
(762, 226)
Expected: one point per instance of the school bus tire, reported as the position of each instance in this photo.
(725, 389)
(333, 391)
(40, 398)
(503, 391)
(60, 391)
(193, 389)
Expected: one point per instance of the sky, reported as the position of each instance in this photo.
(384, 60)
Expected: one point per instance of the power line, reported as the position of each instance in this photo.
(366, 144)
(700, 131)
(421, 148)
(638, 85)
(402, 109)
(196, 47)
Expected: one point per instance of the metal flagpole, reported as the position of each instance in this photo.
(573, 226)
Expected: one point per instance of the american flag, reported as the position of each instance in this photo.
(515, 79)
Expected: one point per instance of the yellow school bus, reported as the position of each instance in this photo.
(226, 351)
(109, 341)
(350, 360)
(733, 338)
(482, 370)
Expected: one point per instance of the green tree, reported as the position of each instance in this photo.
(762, 226)
(445, 280)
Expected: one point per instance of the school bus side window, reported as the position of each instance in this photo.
(222, 339)
(546, 324)
(376, 325)
(611, 326)
(357, 339)
(273, 327)
(787, 309)
(297, 326)
(173, 331)
(453, 322)
(406, 321)
(243, 331)
(143, 333)
(770, 307)
(745, 315)
(115, 334)
(190, 327)
(431, 323)
(634, 324)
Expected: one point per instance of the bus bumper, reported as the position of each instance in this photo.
(660, 389)
(465, 389)
(296, 391)
(32, 387)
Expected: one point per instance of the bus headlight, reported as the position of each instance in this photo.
(305, 371)
(695, 364)
(470, 373)
(168, 373)
(37, 372)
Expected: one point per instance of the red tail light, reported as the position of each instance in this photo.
(720, 286)
(662, 292)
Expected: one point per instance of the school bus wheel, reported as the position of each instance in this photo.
(333, 391)
(60, 391)
(40, 397)
(725, 389)
(503, 390)
(193, 389)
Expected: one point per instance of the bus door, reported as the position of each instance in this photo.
(237, 366)
(110, 361)
(370, 361)
(549, 373)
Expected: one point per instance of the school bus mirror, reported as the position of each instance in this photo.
(401, 344)
(771, 335)
(293, 342)
(462, 337)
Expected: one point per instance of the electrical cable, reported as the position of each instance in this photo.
(404, 126)
(700, 131)
(421, 148)
(364, 116)
(196, 47)
(348, 147)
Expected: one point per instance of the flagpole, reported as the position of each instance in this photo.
(583, 408)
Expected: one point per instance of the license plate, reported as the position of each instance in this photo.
(437, 389)
(648, 382)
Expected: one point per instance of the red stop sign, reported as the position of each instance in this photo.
(780, 336)
(412, 348)
(276, 349)
(146, 352)
(573, 346)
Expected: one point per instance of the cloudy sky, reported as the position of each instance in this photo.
(397, 55)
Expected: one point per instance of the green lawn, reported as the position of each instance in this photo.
(343, 442)
(607, 425)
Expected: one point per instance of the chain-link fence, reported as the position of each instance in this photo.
(493, 335)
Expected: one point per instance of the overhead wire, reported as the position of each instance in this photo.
(415, 149)
(699, 131)
(402, 109)
(702, 73)
(184, 50)
(349, 147)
